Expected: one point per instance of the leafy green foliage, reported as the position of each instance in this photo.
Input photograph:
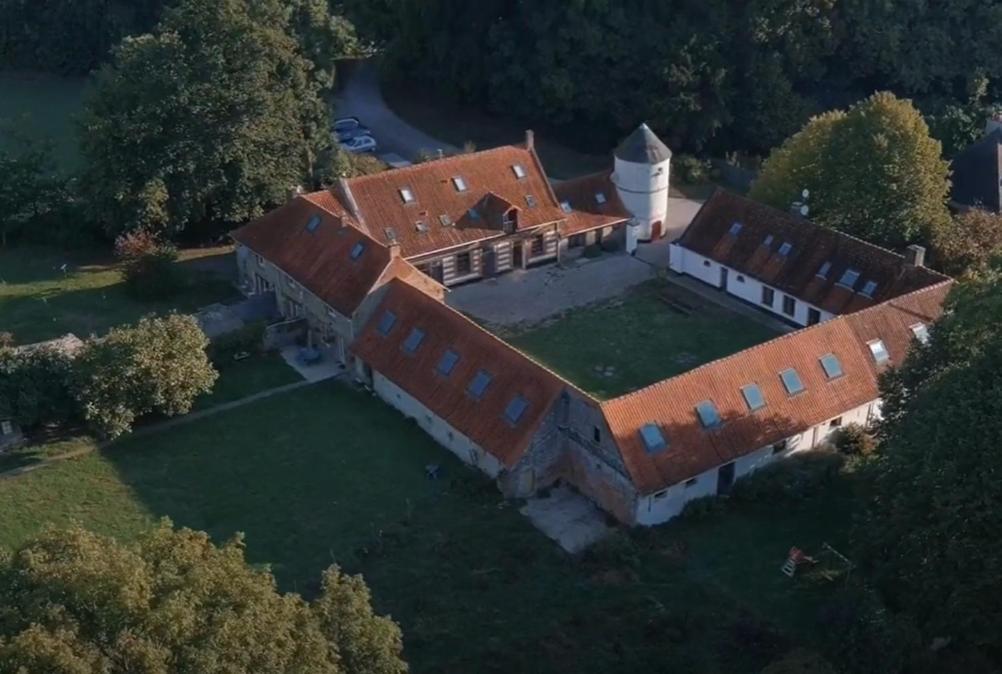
(150, 269)
(800, 661)
(36, 387)
(793, 478)
(969, 242)
(75, 601)
(873, 172)
(928, 536)
(854, 440)
(861, 635)
(159, 366)
(29, 190)
(243, 108)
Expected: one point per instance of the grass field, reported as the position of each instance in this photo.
(326, 474)
(45, 107)
(39, 301)
(640, 338)
(246, 377)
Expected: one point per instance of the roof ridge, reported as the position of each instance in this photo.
(431, 162)
(841, 318)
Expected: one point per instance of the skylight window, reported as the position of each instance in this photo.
(767, 241)
(825, 268)
(921, 332)
(445, 220)
(406, 195)
(479, 384)
(447, 362)
(519, 171)
(831, 365)
(421, 226)
(791, 381)
(530, 200)
(565, 206)
(735, 229)
(654, 441)
(869, 288)
(459, 184)
(849, 278)
(753, 396)
(357, 250)
(708, 415)
(313, 223)
(386, 323)
(785, 249)
(516, 408)
(391, 234)
(600, 197)
(879, 351)
(414, 340)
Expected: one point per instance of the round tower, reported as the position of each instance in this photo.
(642, 165)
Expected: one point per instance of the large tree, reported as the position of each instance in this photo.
(75, 602)
(214, 115)
(929, 535)
(873, 172)
(970, 241)
(157, 366)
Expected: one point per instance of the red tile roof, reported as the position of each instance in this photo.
(693, 449)
(480, 420)
(812, 247)
(320, 260)
(587, 213)
(490, 172)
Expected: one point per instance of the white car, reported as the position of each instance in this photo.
(359, 144)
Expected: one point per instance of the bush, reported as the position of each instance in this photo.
(691, 170)
(150, 271)
(593, 250)
(800, 661)
(854, 440)
(249, 339)
(703, 507)
(862, 635)
(36, 387)
(795, 478)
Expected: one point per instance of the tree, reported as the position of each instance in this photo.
(36, 386)
(969, 242)
(873, 172)
(207, 120)
(150, 268)
(75, 601)
(927, 537)
(28, 188)
(159, 366)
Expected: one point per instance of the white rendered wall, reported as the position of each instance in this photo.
(643, 188)
(468, 451)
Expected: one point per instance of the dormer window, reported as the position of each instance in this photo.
(406, 195)
(869, 288)
(825, 268)
(767, 241)
(459, 184)
(518, 170)
(600, 198)
(785, 249)
(530, 201)
(313, 223)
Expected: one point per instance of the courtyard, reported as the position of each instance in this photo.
(327, 474)
(652, 331)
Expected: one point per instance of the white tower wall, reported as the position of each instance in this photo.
(643, 188)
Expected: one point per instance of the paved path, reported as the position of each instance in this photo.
(568, 518)
(361, 98)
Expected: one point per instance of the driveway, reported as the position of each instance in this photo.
(360, 97)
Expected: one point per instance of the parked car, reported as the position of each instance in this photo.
(345, 128)
(359, 144)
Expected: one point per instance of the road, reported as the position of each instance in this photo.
(361, 98)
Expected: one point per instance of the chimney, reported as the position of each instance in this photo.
(394, 247)
(915, 255)
(530, 139)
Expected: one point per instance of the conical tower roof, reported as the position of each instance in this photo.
(643, 147)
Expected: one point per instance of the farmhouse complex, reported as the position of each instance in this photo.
(366, 267)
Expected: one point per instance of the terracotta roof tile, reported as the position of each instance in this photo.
(320, 260)
(586, 212)
(694, 449)
(811, 248)
(483, 420)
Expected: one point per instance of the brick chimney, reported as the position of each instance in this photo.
(915, 255)
(530, 139)
(394, 247)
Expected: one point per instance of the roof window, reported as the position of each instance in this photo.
(735, 228)
(753, 396)
(921, 332)
(459, 184)
(445, 220)
(421, 226)
(386, 323)
(565, 206)
(479, 384)
(825, 268)
(791, 381)
(785, 249)
(447, 362)
(869, 288)
(516, 408)
(414, 340)
(708, 415)
(767, 241)
(654, 441)
(849, 278)
(518, 170)
(391, 234)
(600, 198)
(879, 351)
(313, 223)
(831, 365)
(406, 195)
(357, 250)
(530, 201)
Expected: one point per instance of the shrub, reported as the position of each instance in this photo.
(150, 271)
(593, 250)
(36, 387)
(862, 635)
(800, 661)
(249, 338)
(703, 507)
(691, 170)
(854, 440)
(795, 478)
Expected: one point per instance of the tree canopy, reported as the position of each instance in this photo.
(75, 602)
(928, 537)
(214, 115)
(972, 239)
(873, 172)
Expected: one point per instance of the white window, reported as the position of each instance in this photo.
(406, 195)
(600, 197)
(519, 171)
(459, 183)
(879, 351)
(921, 332)
(565, 206)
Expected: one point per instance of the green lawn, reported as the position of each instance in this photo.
(326, 474)
(640, 337)
(240, 379)
(39, 301)
(45, 107)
